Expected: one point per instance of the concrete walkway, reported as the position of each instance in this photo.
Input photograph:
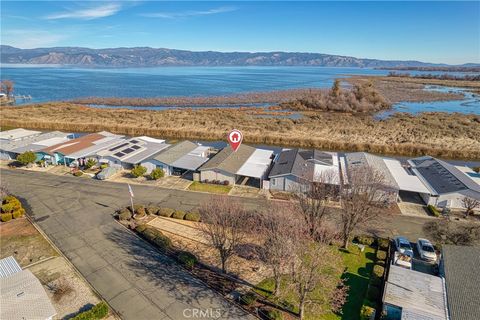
(136, 280)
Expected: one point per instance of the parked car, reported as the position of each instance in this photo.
(106, 173)
(426, 250)
(402, 245)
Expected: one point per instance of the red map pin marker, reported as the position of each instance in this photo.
(235, 138)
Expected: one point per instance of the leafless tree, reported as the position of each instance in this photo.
(361, 199)
(470, 204)
(281, 227)
(315, 279)
(449, 232)
(314, 201)
(224, 225)
(6, 86)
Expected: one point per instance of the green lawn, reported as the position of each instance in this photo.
(207, 187)
(358, 268)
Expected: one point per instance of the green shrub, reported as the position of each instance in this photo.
(366, 312)
(248, 299)
(383, 243)
(140, 211)
(152, 210)
(162, 242)
(433, 210)
(378, 271)
(17, 214)
(138, 171)
(187, 259)
(27, 157)
(90, 163)
(103, 166)
(192, 216)
(365, 240)
(124, 214)
(166, 212)
(141, 228)
(8, 207)
(376, 282)
(271, 314)
(381, 255)
(373, 293)
(150, 233)
(78, 173)
(157, 174)
(6, 217)
(98, 312)
(179, 214)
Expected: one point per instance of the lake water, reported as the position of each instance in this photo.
(53, 83)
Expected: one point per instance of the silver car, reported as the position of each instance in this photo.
(403, 246)
(426, 250)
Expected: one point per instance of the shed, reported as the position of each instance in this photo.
(410, 295)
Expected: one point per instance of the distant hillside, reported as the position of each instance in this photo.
(151, 57)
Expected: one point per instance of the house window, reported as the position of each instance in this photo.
(273, 182)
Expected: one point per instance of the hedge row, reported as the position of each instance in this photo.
(98, 311)
(140, 211)
(154, 236)
(381, 243)
(11, 208)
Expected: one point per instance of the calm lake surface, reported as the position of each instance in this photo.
(53, 83)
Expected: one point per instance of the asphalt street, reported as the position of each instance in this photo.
(136, 280)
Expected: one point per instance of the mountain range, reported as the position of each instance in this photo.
(154, 57)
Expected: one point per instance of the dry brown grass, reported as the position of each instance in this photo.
(438, 134)
(396, 89)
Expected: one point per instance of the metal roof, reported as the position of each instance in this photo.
(9, 266)
(134, 150)
(23, 297)
(175, 152)
(442, 176)
(461, 266)
(420, 295)
(406, 181)
(229, 161)
(96, 146)
(32, 143)
(257, 164)
(190, 162)
(17, 134)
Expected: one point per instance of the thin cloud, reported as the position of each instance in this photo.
(87, 14)
(28, 39)
(187, 14)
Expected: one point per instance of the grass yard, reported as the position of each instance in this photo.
(211, 188)
(358, 268)
(21, 240)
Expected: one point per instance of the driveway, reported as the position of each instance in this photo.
(136, 280)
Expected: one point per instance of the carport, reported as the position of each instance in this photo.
(411, 187)
(187, 163)
(254, 170)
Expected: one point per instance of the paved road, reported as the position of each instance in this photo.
(140, 283)
(137, 281)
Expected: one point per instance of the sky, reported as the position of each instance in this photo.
(440, 32)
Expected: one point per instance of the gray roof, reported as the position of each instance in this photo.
(359, 159)
(134, 150)
(300, 163)
(28, 143)
(462, 277)
(420, 295)
(229, 161)
(23, 297)
(175, 152)
(9, 266)
(189, 162)
(442, 176)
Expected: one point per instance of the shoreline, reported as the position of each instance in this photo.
(450, 136)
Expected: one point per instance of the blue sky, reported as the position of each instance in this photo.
(447, 32)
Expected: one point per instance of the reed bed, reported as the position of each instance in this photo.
(455, 136)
